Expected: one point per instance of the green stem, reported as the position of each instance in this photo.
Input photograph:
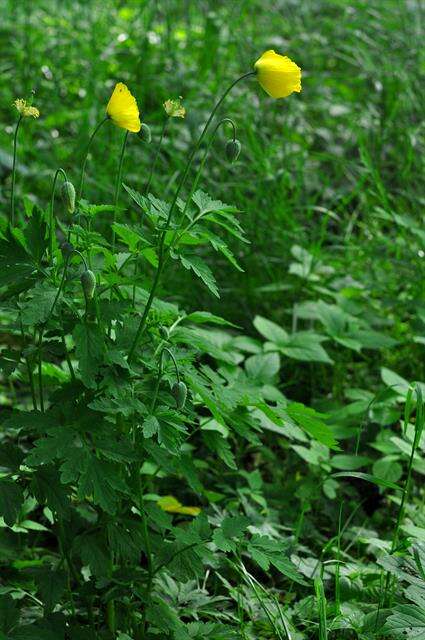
(148, 553)
(12, 195)
(158, 149)
(156, 156)
(118, 187)
(83, 169)
(160, 266)
(198, 177)
(30, 374)
(40, 372)
(51, 213)
(158, 380)
(52, 308)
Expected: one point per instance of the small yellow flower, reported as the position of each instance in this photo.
(122, 109)
(278, 75)
(172, 505)
(25, 109)
(174, 108)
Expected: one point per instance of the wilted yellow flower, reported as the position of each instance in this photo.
(278, 75)
(172, 505)
(123, 110)
(174, 108)
(25, 109)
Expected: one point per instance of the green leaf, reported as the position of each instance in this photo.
(234, 526)
(349, 463)
(270, 330)
(408, 621)
(37, 308)
(263, 367)
(265, 551)
(368, 478)
(89, 347)
(150, 426)
(9, 613)
(201, 269)
(305, 345)
(101, 481)
(311, 421)
(51, 584)
(11, 500)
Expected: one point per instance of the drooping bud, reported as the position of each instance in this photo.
(68, 196)
(88, 281)
(233, 149)
(179, 391)
(67, 249)
(145, 133)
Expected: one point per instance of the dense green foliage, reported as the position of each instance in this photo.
(212, 390)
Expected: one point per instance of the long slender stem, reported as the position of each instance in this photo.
(12, 194)
(40, 371)
(158, 379)
(151, 572)
(83, 169)
(200, 170)
(160, 266)
(52, 308)
(51, 212)
(30, 374)
(118, 187)
(156, 156)
(146, 190)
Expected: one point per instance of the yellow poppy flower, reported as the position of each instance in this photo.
(122, 109)
(172, 505)
(278, 75)
(25, 109)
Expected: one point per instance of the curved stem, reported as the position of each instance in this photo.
(118, 186)
(44, 325)
(158, 380)
(200, 170)
(155, 159)
(160, 266)
(12, 195)
(51, 213)
(83, 169)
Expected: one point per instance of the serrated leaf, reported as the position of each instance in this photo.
(202, 270)
(89, 347)
(11, 500)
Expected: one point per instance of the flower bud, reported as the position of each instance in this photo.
(67, 249)
(88, 281)
(68, 196)
(233, 149)
(179, 391)
(145, 133)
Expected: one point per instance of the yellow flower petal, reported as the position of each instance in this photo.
(26, 110)
(122, 109)
(278, 75)
(172, 505)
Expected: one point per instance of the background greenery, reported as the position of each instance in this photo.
(330, 186)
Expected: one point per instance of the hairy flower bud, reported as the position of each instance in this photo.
(88, 281)
(68, 196)
(233, 149)
(179, 391)
(67, 248)
(145, 133)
